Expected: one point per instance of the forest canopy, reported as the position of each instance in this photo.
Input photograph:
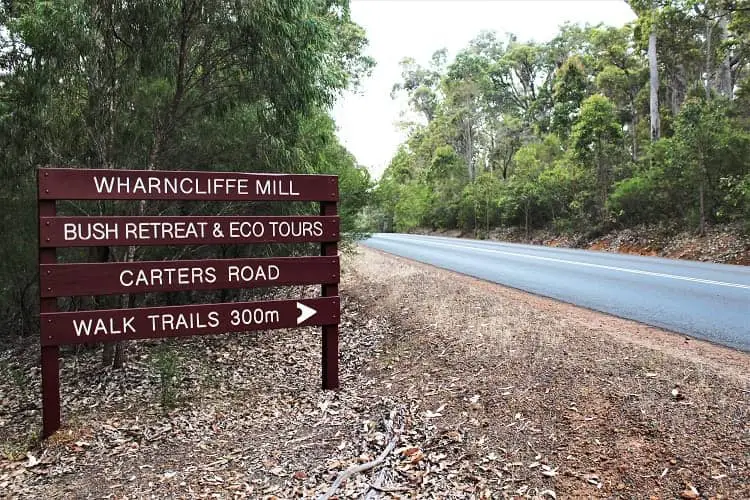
(600, 127)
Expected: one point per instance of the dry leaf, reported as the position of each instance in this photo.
(32, 462)
(690, 492)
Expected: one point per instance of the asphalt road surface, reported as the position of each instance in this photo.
(702, 300)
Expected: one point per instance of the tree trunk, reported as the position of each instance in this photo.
(526, 223)
(120, 348)
(101, 254)
(702, 196)
(476, 218)
(108, 354)
(487, 216)
(161, 130)
(469, 138)
(654, 85)
(708, 70)
(470, 151)
(725, 84)
(120, 355)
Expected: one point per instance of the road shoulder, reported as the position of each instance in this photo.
(482, 391)
(607, 406)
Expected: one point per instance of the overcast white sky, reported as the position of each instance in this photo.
(417, 28)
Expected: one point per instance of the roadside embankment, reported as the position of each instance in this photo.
(724, 243)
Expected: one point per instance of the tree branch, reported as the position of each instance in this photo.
(369, 465)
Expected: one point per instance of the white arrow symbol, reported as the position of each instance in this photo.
(305, 312)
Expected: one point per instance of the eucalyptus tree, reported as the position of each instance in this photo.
(177, 84)
(596, 144)
(422, 85)
(619, 103)
(708, 147)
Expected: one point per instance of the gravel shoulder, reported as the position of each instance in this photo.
(478, 391)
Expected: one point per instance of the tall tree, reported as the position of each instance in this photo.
(708, 146)
(648, 13)
(596, 143)
(600, 92)
(570, 89)
(653, 72)
(421, 85)
(183, 84)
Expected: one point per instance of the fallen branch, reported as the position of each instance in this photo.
(359, 468)
(372, 493)
(368, 465)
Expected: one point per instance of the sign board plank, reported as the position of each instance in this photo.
(70, 280)
(61, 232)
(96, 184)
(181, 321)
(75, 279)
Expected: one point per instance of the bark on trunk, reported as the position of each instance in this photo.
(526, 222)
(101, 254)
(654, 86)
(108, 354)
(470, 151)
(708, 69)
(702, 196)
(119, 353)
(487, 216)
(725, 83)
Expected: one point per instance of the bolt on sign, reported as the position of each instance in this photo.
(114, 278)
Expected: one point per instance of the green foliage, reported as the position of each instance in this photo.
(596, 143)
(563, 191)
(167, 366)
(207, 85)
(421, 84)
(528, 199)
(411, 208)
(736, 204)
(708, 146)
(478, 208)
(637, 199)
(569, 93)
(558, 133)
(322, 153)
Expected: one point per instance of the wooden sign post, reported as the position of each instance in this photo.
(113, 278)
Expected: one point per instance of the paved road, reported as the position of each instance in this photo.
(705, 301)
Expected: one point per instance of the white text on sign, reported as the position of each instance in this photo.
(193, 186)
(143, 231)
(169, 322)
(166, 276)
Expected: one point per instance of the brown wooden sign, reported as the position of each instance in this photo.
(64, 328)
(61, 232)
(96, 184)
(114, 278)
(70, 280)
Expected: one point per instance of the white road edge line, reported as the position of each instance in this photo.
(586, 264)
